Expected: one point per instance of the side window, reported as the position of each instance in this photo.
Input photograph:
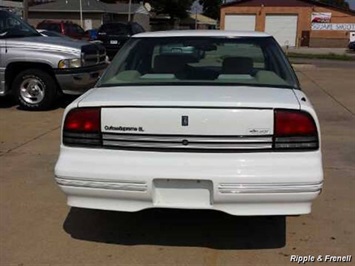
(136, 28)
(70, 29)
(44, 26)
(12, 23)
(115, 29)
(77, 29)
(74, 29)
(56, 28)
(2, 23)
(12, 26)
(67, 29)
(9, 23)
(141, 28)
(121, 29)
(103, 28)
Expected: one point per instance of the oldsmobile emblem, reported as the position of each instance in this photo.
(185, 121)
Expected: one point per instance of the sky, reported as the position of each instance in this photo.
(352, 4)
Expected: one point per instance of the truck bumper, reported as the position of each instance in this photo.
(77, 81)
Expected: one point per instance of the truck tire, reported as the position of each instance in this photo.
(35, 89)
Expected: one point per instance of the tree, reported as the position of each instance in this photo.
(211, 8)
(336, 3)
(174, 8)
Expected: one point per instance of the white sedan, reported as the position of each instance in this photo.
(193, 120)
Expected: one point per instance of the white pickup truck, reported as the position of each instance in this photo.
(196, 120)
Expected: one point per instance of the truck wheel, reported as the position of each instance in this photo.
(35, 89)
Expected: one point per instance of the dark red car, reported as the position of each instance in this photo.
(67, 28)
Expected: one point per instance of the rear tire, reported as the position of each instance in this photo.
(35, 89)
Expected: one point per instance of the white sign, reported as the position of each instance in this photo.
(352, 36)
(318, 17)
(88, 24)
(334, 26)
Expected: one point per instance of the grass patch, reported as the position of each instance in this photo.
(330, 56)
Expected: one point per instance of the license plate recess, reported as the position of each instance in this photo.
(182, 193)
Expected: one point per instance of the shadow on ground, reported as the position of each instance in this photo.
(61, 103)
(169, 227)
(7, 102)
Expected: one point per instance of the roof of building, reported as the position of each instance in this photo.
(93, 6)
(201, 33)
(201, 19)
(11, 4)
(288, 3)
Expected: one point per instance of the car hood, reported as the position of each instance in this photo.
(47, 44)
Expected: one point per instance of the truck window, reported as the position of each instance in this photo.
(13, 27)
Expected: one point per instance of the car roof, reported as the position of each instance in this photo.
(201, 33)
(116, 23)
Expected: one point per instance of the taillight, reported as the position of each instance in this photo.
(82, 127)
(295, 130)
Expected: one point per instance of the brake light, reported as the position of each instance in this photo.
(295, 130)
(83, 120)
(82, 127)
(294, 123)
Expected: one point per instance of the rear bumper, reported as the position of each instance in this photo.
(238, 184)
(78, 81)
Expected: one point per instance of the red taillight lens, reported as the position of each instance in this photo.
(294, 123)
(295, 130)
(83, 120)
(82, 128)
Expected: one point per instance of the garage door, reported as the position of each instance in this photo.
(240, 22)
(283, 28)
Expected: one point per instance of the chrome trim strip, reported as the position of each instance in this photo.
(231, 188)
(187, 142)
(189, 138)
(112, 185)
(191, 145)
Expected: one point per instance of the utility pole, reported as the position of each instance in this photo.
(196, 26)
(81, 14)
(129, 10)
(25, 10)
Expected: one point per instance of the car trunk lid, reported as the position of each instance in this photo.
(201, 118)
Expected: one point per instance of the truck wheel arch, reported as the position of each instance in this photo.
(14, 68)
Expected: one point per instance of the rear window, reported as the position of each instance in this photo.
(50, 26)
(74, 29)
(117, 29)
(201, 60)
